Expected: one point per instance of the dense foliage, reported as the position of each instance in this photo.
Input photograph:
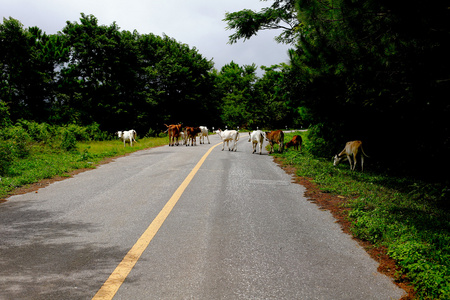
(95, 73)
(90, 73)
(371, 70)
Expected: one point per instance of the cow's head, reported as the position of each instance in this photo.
(336, 160)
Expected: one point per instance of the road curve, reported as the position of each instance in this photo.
(240, 229)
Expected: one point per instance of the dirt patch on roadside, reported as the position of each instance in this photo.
(333, 204)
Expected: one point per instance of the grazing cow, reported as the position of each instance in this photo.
(127, 136)
(203, 133)
(351, 150)
(174, 134)
(257, 138)
(191, 135)
(229, 136)
(275, 137)
(296, 142)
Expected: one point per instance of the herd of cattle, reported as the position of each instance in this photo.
(188, 136)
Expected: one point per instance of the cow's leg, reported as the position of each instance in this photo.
(350, 161)
(362, 162)
(208, 139)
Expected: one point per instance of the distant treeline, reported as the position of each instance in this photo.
(378, 71)
(90, 73)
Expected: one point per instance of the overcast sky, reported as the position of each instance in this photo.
(197, 23)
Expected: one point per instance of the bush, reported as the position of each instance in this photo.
(4, 115)
(94, 133)
(322, 141)
(69, 140)
(17, 138)
(5, 157)
(39, 132)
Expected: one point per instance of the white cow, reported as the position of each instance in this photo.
(127, 136)
(257, 138)
(229, 136)
(203, 133)
(183, 137)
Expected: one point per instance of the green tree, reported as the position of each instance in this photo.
(371, 70)
(100, 77)
(277, 109)
(177, 81)
(281, 15)
(235, 86)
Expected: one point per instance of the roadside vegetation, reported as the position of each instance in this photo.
(409, 217)
(30, 152)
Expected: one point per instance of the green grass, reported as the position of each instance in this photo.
(44, 161)
(409, 217)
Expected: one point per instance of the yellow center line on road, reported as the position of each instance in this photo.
(115, 280)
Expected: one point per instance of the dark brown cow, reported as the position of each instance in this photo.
(174, 133)
(191, 135)
(296, 142)
(275, 137)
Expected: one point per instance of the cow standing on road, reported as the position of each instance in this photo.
(257, 138)
(191, 135)
(203, 134)
(229, 136)
(174, 133)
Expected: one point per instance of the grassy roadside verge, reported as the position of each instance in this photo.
(410, 218)
(44, 161)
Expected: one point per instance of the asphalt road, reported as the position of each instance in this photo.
(236, 229)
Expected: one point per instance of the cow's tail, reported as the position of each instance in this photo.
(263, 136)
(362, 151)
(237, 136)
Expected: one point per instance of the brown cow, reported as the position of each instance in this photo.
(191, 135)
(351, 150)
(296, 142)
(174, 133)
(275, 137)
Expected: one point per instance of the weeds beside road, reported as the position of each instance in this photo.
(410, 218)
(45, 161)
